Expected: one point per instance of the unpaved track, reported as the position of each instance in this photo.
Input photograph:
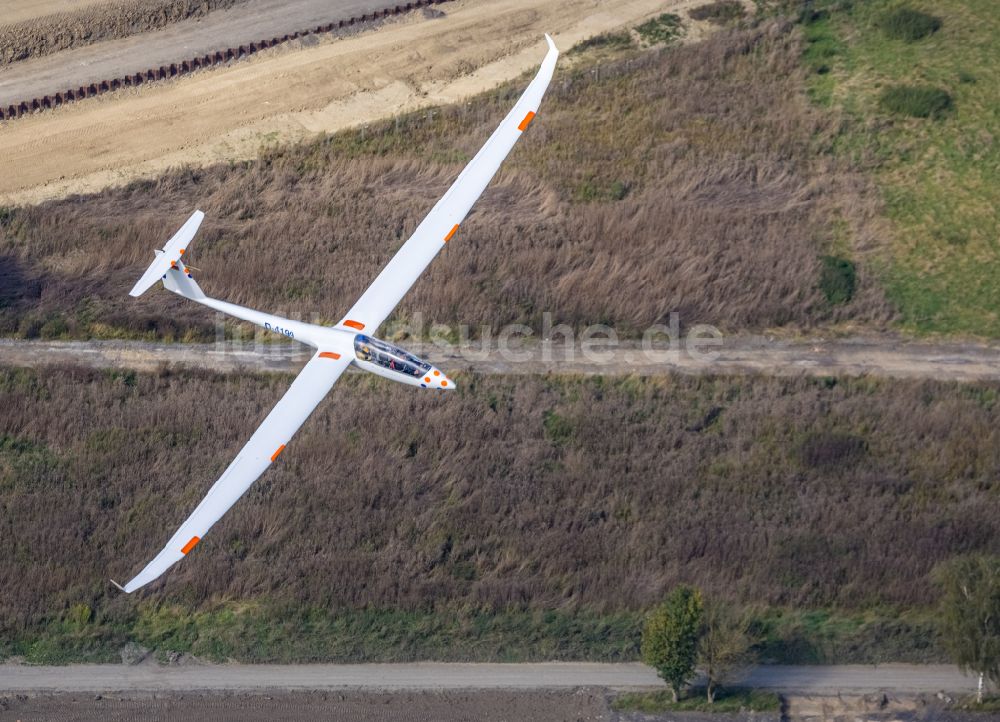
(451, 676)
(879, 357)
(254, 20)
(286, 95)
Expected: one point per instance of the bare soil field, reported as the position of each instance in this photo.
(17, 11)
(472, 705)
(283, 96)
(445, 706)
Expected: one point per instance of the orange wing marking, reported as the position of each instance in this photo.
(190, 545)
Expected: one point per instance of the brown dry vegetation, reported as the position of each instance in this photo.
(681, 180)
(116, 19)
(538, 493)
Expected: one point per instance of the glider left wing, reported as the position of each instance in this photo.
(309, 388)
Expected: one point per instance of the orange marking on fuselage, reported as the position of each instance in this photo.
(329, 354)
(527, 121)
(355, 324)
(190, 545)
(451, 233)
(278, 452)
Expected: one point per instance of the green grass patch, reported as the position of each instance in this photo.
(726, 700)
(915, 101)
(822, 636)
(284, 632)
(663, 29)
(271, 631)
(940, 180)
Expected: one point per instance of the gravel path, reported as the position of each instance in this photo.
(150, 677)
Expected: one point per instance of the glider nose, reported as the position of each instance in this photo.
(436, 379)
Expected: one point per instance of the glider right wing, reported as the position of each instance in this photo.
(309, 388)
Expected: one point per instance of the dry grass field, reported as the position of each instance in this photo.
(679, 180)
(525, 517)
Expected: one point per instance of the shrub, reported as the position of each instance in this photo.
(825, 450)
(916, 101)
(837, 279)
(558, 429)
(909, 25)
(718, 12)
(612, 41)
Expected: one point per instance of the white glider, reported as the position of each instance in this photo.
(339, 346)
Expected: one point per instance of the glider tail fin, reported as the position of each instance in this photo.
(179, 280)
(170, 257)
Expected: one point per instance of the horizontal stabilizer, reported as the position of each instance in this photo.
(170, 254)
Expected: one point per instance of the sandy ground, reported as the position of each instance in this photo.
(253, 20)
(15, 11)
(286, 95)
(879, 357)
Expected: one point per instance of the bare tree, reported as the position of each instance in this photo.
(725, 644)
(970, 614)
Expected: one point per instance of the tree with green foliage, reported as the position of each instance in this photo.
(725, 643)
(970, 614)
(670, 637)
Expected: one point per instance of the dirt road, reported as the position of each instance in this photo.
(736, 355)
(286, 95)
(452, 676)
(254, 20)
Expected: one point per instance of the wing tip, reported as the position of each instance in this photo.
(119, 586)
(552, 43)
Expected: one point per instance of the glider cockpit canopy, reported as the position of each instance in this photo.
(393, 358)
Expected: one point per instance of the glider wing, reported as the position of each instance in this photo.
(442, 222)
(309, 388)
